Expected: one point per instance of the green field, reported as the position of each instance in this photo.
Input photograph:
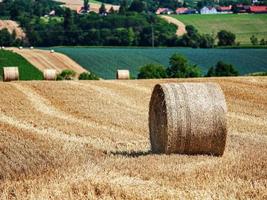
(105, 61)
(26, 70)
(244, 25)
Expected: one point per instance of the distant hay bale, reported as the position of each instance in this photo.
(31, 47)
(188, 118)
(10, 73)
(20, 47)
(50, 74)
(52, 51)
(2, 47)
(123, 74)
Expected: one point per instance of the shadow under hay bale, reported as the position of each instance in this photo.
(10, 74)
(50, 74)
(123, 75)
(188, 118)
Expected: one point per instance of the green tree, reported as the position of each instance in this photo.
(226, 38)
(88, 76)
(152, 71)
(102, 9)
(123, 7)
(111, 10)
(262, 42)
(179, 68)
(253, 40)
(86, 5)
(137, 6)
(222, 69)
(66, 74)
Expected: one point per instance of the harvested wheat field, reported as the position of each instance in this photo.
(90, 140)
(94, 6)
(12, 26)
(44, 59)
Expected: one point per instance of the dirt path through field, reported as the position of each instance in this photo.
(11, 26)
(181, 27)
(44, 59)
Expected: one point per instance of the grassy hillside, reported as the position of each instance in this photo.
(105, 61)
(26, 70)
(244, 26)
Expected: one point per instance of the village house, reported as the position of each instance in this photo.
(165, 11)
(208, 10)
(183, 10)
(258, 9)
(225, 9)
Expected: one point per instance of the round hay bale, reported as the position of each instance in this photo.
(50, 74)
(188, 118)
(52, 51)
(20, 47)
(2, 47)
(10, 73)
(31, 47)
(123, 74)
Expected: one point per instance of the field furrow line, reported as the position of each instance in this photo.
(119, 100)
(44, 106)
(136, 87)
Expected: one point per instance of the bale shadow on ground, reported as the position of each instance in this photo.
(132, 154)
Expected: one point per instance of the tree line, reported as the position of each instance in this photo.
(179, 67)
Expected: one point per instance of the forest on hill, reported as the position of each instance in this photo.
(131, 26)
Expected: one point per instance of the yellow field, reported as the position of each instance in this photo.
(89, 140)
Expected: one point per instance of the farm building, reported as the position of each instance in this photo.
(185, 11)
(258, 9)
(164, 11)
(208, 10)
(225, 9)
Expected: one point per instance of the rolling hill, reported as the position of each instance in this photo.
(89, 140)
(26, 69)
(244, 25)
(105, 61)
(94, 5)
(44, 59)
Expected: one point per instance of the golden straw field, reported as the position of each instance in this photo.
(90, 140)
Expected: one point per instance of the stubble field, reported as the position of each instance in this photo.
(89, 140)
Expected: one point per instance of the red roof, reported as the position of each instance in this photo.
(258, 9)
(181, 10)
(225, 8)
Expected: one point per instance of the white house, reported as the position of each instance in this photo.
(208, 10)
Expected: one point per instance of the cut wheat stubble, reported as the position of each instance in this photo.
(10, 73)
(188, 118)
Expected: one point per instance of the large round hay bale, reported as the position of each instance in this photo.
(123, 74)
(50, 74)
(52, 51)
(20, 48)
(31, 47)
(188, 118)
(10, 73)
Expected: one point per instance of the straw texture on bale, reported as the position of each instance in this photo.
(123, 74)
(50, 74)
(188, 118)
(10, 73)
